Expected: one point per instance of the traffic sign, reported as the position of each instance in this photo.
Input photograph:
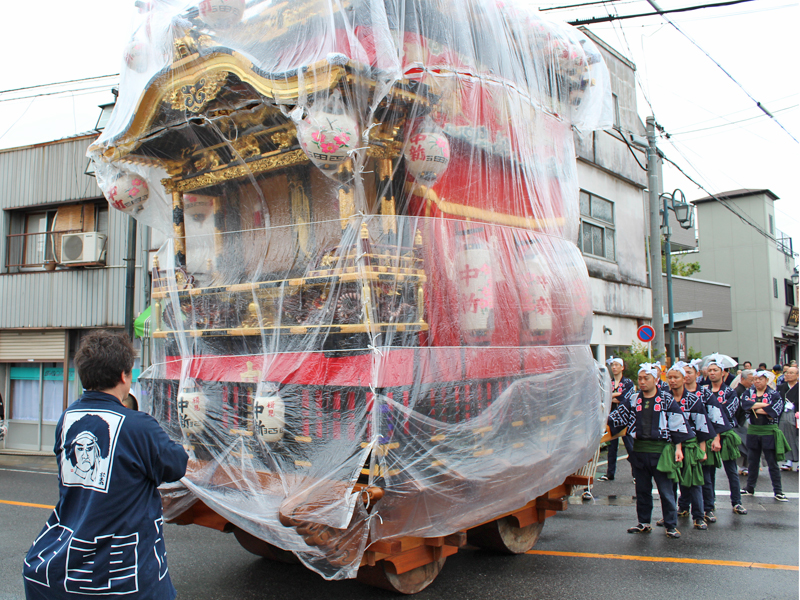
(646, 333)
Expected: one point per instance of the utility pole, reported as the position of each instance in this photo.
(130, 276)
(654, 185)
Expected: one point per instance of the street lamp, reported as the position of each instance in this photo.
(684, 213)
(795, 277)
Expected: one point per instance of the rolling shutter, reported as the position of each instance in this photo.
(39, 346)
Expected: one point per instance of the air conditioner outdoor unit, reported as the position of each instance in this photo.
(82, 247)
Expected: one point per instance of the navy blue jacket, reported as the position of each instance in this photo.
(721, 407)
(774, 410)
(669, 422)
(105, 536)
(695, 409)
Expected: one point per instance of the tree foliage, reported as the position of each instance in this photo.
(634, 356)
(680, 268)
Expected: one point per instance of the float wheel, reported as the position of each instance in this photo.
(383, 575)
(264, 549)
(503, 536)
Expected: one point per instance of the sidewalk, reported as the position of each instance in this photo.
(28, 462)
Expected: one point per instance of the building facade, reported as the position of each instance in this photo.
(63, 273)
(614, 220)
(758, 262)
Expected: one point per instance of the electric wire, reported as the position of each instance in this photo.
(87, 89)
(730, 122)
(684, 34)
(32, 87)
(651, 14)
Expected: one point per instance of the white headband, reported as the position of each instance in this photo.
(650, 369)
(614, 360)
(766, 374)
(695, 364)
(679, 368)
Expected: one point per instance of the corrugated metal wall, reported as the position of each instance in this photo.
(46, 173)
(71, 298)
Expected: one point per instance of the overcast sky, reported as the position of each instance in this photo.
(718, 135)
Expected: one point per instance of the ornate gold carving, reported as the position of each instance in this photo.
(179, 227)
(385, 150)
(262, 165)
(247, 147)
(251, 375)
(208, 160)
(283, 139)
(347, 205)
(194, 97)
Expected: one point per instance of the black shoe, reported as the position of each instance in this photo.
(700, 524)
(672, 532)
(781, 498)
(683, 513)
(605, 478)
(710, 517)
(746, 493)
(640, 528)
(660, 523)
(739, 509)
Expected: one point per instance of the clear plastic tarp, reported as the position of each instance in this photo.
(370, 318)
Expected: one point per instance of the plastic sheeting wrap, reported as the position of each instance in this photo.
(371, 277)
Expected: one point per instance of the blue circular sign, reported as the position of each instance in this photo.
(646, 333)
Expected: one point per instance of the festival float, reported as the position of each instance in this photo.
(370, 319)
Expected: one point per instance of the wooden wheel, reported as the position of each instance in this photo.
(503, 536)
(261, 548)
(382, 575)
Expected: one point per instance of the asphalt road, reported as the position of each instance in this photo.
(583, 553)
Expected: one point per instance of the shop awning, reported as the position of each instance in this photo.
(141, 326)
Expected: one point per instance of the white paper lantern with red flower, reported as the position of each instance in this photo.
(427, 155)
(328, 138)
(136, 56)
(197, 208)
(128, 193)
(270, 416)
(221, 13)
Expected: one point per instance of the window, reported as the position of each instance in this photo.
(788, 288)
(775, 287)
(596, 236)
(771, 226)
(617, 117)
(34, 237)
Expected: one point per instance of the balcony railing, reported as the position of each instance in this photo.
(34, 250)
(784, 243)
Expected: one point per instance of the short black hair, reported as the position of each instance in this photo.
(102, 357)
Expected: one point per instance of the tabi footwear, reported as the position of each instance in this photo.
(605, 478)
(660, 523)
(710, 517)
(683, 513)
(640, 528)
(739, 509)
(747, 493)
(781, 498)
(672, 532)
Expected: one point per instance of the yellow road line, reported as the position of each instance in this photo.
(695, 561)
(26, 504)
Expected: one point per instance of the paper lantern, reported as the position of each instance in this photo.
(536, 295)
(197, 208)
(128, 193)
(192, 410)
(136, 57)
(221, 13)
(427, 155)
(475, 284)
(328, 138)
(270, 420)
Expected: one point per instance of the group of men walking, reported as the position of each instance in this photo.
(680, 432)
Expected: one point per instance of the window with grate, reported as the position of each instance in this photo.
(596, 236)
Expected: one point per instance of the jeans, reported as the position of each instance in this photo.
(755, 448)
(692, 495)
(710, 475)
(613, 448)
(643, 465)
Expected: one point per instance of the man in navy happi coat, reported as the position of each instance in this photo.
(658, 426)
(105, 536)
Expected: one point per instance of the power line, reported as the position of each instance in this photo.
(95, 88)
(32, 87)
(741, 87)
(587, 4)
(731, 122)
(651, 14)
(742, 217)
